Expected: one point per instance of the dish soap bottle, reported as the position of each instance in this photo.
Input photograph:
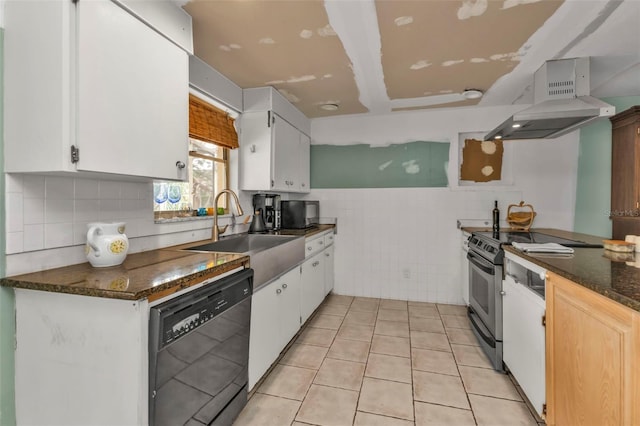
(496, 219)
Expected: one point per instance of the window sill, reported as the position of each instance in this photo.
(188, 218)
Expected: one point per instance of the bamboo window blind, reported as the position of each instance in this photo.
(210, 124)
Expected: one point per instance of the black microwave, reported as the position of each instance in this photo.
(299, 214)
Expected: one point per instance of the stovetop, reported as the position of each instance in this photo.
(508, 237)
(488, 244)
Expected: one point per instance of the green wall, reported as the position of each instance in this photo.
(593, 194)
(7, 318)
(405, 165)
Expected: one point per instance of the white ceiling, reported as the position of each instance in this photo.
(363, 73)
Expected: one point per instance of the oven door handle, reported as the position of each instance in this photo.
(481, 263)
(475, 321)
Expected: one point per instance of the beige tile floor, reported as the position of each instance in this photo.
(362, 361)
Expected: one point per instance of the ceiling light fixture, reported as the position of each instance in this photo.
(329, 107)
(472, 94)
(516, 125)
(497, 137)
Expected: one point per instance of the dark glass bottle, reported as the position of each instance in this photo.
(496, 219)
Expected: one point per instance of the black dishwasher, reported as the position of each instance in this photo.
(199, 354)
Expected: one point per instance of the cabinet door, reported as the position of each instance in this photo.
(265, 331)
(304, 164)
(255, 151)
(285, 153)
(625, 156)
(328, 269)
(312, 285)
(289, 306)
(523, 339)
(593, 357)
(132, 96)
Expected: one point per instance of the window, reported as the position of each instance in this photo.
(212, 135)
(208, 175)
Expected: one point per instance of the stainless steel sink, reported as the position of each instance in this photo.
(271, 255)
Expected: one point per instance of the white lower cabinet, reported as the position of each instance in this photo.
(329, 277)
(275, 319)
(279, 308)
(524, 339)
(312, 291)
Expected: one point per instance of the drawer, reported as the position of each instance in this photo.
(328, 239)
(313, 246)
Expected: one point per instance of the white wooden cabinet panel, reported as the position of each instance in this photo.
(312, 291)
(275, 319)
(285, 156)
(132, 97)
(80, 360)
(304, 166)
(264, 336)
(524, 339)
(329, 277)
(274, 155)
(289, 305)
(75, 76)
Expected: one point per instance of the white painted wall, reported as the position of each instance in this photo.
(385, 235)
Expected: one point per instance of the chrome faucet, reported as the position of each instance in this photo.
(215, 232)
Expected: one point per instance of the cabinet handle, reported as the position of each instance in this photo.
(180, 165)
(316, 263)
(327, 255)
(284, 285)
(278, 291)
(304, 184)
(502, 292)
(309, 248)
(321, 242)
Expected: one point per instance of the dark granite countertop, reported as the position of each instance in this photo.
(152, 274)
(140, 276)
(596, 269)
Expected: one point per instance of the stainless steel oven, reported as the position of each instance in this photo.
(486, 259)
(485, 298)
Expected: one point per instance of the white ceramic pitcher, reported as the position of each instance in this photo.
(107, 244)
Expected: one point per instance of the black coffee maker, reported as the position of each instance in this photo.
(270, 205)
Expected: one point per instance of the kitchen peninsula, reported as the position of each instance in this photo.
(592, 337)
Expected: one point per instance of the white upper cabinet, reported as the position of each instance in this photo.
(274, 144)
(90, 76)
(274, 155)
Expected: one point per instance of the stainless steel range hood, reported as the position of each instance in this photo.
(561, 103)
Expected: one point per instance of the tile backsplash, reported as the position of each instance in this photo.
(47, 219)
(45, 212)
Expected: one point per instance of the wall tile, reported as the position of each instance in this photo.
(58, 188)
(130, 190)
(109, 210)
(58, 210)
(14, 182)
(33, 186)
(15, 212)
(15, 242)
(109, 190)
(33, 211)
(80, 232)
(87, 189)
(33, 237)
(86, 210)
(58, 235)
